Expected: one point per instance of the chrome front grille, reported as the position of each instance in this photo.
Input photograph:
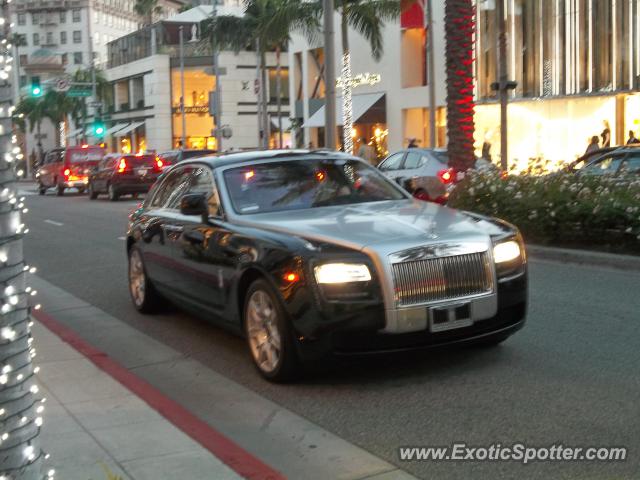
(442, 278)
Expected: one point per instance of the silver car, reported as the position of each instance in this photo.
(423, 172)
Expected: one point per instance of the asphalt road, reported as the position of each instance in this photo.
(571, 376)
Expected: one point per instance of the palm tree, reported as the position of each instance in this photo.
(146, 9)
(459, 32)
(265, 26)
(33, 110)
(367, 17)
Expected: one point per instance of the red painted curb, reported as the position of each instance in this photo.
(236, 458)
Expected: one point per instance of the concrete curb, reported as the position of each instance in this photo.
(584, 257)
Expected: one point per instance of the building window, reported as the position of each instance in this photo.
(96, 39)
(63, 16)
(23, 60)
(65, 59)
(77, 36)
(75, 15)
(36, 39)
(22, 19)
(49, 38)
(77, 58)
(96, 16)
(413, 48)
(63, 37)
(35, 19)
(23, 80)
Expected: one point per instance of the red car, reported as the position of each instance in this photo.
(69, 167)
(119, 174)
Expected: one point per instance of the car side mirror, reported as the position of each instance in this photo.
(194, 204)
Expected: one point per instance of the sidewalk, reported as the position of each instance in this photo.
(91, 421)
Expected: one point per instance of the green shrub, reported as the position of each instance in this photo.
(560, 209)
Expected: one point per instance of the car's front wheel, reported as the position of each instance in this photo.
(143, 294)
(268, 334)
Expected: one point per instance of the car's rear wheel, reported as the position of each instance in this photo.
(145, 297)
(92, 193)
(268, 334)
(41, 189)
(113, 193)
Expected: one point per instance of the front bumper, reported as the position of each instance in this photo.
(359, 332)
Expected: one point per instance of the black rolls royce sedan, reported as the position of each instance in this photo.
(310, 253)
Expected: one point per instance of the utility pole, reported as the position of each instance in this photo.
(431, 73)
(503, 82)
(329, 75)
(184, 120)
(92, 67)
(217, 114)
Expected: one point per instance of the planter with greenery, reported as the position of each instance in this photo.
(560, 209)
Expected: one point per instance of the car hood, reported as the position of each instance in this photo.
(369, 224)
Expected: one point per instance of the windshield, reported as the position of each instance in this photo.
(300, 184)
(86, 155)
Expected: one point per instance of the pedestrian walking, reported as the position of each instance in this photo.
(633, 140)
(606, 135)
(367, 153)
(593, 145)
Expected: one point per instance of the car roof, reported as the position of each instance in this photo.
(231, 159)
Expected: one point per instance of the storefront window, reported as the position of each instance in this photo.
(199, 122)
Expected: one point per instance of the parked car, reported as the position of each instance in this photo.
(587, 158)
(118, 175)
(313, 253)
(620, 161)
(68, 167)
(422, 172)
(172, 157)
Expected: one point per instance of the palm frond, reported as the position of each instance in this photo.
(368, 17)
(229, 32)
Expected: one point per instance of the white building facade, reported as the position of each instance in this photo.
(391, 105)
(145, 112)
(57, 37)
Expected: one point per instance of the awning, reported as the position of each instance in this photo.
(128, 129)
(361, 103)
(117, 127)
(286, 124)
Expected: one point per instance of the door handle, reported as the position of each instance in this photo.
(194, 237)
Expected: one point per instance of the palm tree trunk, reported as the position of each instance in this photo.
(459, 32)
(347, 101)
(279, 95)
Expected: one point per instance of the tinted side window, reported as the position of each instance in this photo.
(394, 162)
(202, 182)
(607, 165)
(631, 165)
(173, 186)
(414, 160)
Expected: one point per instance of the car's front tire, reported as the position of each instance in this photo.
(268, 334)
(145, 297)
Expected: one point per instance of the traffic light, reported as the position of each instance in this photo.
(98, 129)
(36, 88)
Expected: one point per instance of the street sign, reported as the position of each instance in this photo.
(78, 93)
(95, 104)
(62, 85)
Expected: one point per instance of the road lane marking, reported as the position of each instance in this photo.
(53, 222)
(122, 238)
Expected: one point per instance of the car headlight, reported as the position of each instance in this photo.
(342, 273)
(506, 251)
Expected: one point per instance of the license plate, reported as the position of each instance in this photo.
(143, 171)
(450, 317)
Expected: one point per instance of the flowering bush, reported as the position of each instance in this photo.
(560, 208)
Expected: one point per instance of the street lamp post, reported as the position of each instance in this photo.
(217, 114)
(502, 83)
(329, 75)
(184, 120)
(431, 73)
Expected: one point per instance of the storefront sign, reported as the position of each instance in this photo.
(196, 109)
(361, 79)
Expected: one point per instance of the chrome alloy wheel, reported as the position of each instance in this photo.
(137, 279)
(262, 328)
